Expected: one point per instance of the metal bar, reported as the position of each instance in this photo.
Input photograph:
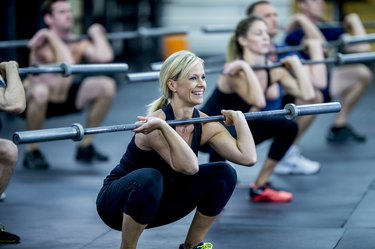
(76, 131)
(343, 41)
(67, 70)
(156, 66)
(13, 43)
(143, 76)
(142, 32)
(351, 40)
(339, 59)
(212, 28)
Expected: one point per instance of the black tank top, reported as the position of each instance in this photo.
(135, 158)
(219, 101)
(229, 101)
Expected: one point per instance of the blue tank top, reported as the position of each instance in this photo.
(136, 158)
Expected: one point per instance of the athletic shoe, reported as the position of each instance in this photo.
(3, 196)
(35, 160)
(89, 154)
(345, 134)
(267, 193)
(199, 246)
(294, 163)
(8, 238)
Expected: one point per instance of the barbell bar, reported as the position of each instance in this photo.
(344, 40)
(67, 69)
(142, 32)
(339, 59)
(76, 131)
(156, 66)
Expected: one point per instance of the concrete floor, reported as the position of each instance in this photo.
(333, 209)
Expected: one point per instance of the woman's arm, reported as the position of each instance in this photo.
(238, 77)
(300, 86)
(241, 150)
(155, 134)
(317, 72)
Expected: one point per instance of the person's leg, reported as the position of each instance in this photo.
(348, 84)
(37, 100)
(130, 203)
(304, 122)
(96, 94)
(209, 197)
(198, 229)
(283, 132)
(131, 232)
(8, 159)
(294, 162)
(265, 172)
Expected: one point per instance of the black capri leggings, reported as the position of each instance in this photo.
(150, 198)
(283, 132)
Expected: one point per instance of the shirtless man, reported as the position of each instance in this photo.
(53, 95)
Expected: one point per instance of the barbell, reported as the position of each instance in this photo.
(343, 41)
(67, 69)
(142, 32)
(339, 59)
(76, 131)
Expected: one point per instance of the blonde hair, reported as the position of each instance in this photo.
(234, 49)
(175, 67)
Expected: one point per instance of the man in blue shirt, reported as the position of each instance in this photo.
(347, 83)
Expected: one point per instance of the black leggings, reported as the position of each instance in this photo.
(283, 132)
(151, 199)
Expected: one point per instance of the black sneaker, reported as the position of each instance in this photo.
(199, 246)
(89, 154)
(8, 238)
(345, 134)
(2, 196)
(35, 160)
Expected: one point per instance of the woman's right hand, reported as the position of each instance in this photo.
(231, 116)
(148, 124)
(232, 68)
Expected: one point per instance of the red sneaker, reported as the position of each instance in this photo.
(267, 193)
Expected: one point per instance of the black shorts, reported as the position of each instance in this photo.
(63, 108)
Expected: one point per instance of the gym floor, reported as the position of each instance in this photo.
(55, 208)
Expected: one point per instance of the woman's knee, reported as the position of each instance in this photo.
(224, 171)
(287, 127)
(151, 179)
